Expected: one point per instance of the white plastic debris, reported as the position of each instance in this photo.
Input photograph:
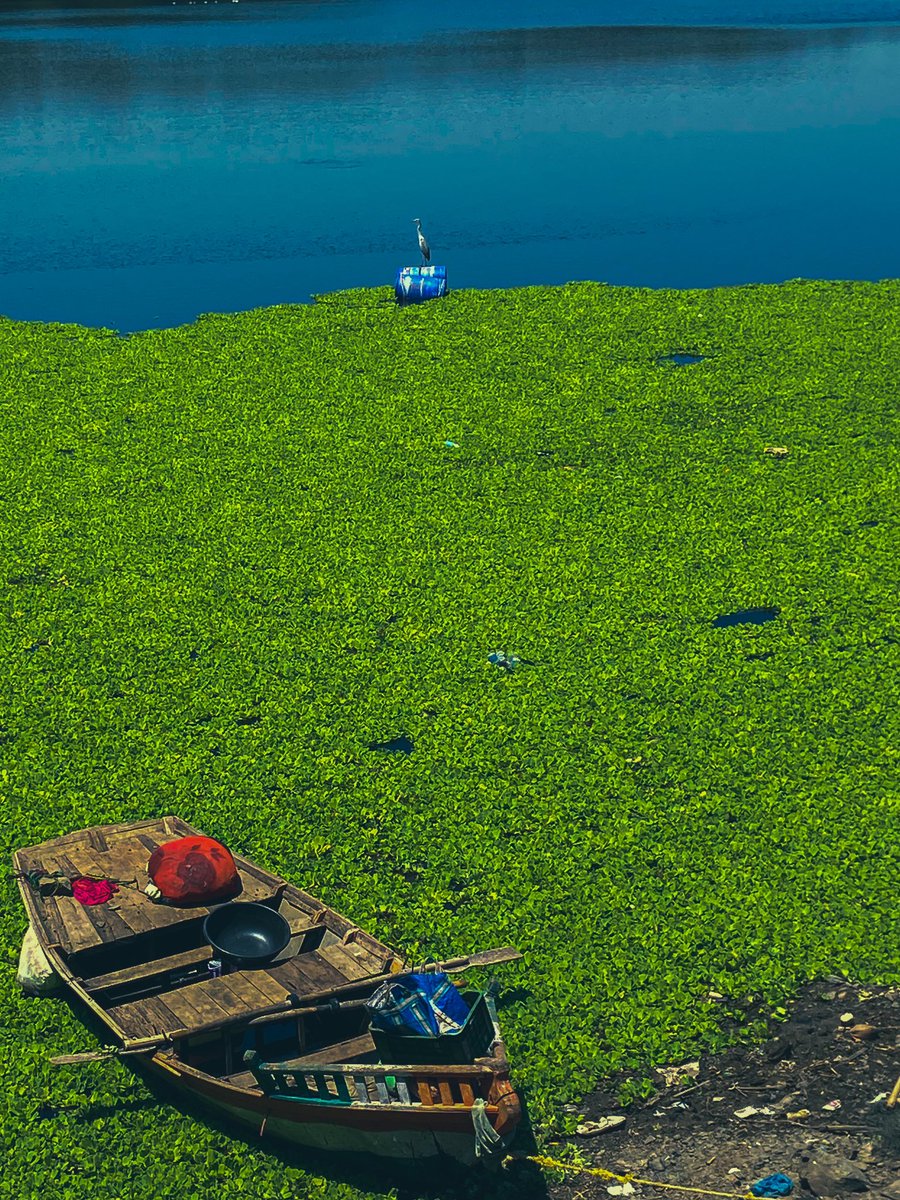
(35, 976)
(831, 1106)
(674, 1074)
(621, 1189)
(589, 1128)
(878, 1099)
(749, 1111)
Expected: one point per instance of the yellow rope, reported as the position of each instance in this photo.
(543, 1161)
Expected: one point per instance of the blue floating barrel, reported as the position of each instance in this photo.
(415, 284)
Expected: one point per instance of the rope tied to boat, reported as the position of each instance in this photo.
(555, 1165)
(487, 1139)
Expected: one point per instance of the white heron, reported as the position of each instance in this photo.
(423, 245)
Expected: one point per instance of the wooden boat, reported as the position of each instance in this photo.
(284, 1050)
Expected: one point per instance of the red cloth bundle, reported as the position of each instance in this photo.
(194, 870)
(93, 891)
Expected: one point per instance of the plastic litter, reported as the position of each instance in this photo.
(589, 1128)
(499, 659)
(749, 1111)
(674, 1074)
(831, 1106)
(878, 1099)
(846, 1018)
(800, 1115)
(773, 1185)
(455, 445)
(35, 976)
(621, 1189)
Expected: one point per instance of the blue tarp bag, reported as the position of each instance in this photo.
(426, 1005)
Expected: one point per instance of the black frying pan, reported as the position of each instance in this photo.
(246, 934)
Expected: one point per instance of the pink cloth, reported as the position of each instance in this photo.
(93, 891)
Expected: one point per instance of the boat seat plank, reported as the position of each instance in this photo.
(347, 1051)
(179, 962)
(146, 971)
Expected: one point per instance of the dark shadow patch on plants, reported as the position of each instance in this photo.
(253, 719)
(514, 995)
(398, 745)
(760, 657)
(868, 524)
(746, 616)
(681, 359)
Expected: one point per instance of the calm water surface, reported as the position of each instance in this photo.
(162, 161)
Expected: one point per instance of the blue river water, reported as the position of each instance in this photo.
(160, 161)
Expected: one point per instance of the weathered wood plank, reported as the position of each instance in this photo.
(80, 932)
(343, 960)
(424, 1093)
(243, 985)
(105, 920)
(307, 973)
(274, 991)
(225, 996)
(146, 971)
(149, 844)
(191, 1009)
(132, 1020)
(468, 1096)
(446, 1093)
(337, 1052)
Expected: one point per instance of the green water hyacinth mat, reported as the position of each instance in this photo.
(490, 622)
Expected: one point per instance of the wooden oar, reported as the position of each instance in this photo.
(299, 1005)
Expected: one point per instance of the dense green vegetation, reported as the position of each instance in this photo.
(236, 554)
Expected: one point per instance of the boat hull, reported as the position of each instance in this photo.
(399, 1133)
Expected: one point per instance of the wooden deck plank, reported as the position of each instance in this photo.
(159, 1014)
(307, 973)
(226, 996)
(243, 985)
(134, 1020)
(275, 992)
(468, 1096)
(446, 1094)
(344, 960)
(424, 1093)
(191, 1010)
(105, 919)
(80, 932)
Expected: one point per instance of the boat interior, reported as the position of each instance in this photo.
(143, 967)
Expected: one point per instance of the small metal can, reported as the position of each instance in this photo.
(214, 966)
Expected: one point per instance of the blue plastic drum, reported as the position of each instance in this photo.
(415, 284)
